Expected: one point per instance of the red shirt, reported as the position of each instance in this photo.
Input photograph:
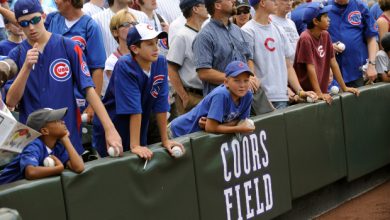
(3, 1)
(318, 52)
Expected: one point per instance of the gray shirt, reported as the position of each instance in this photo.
(382, 62)
(216, 46)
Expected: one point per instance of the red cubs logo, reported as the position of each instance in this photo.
(240, 64)
(269, 42)
(84, 69)
(80, 41)
(60, 70)
(157, 80)
(355, 18)
(163, 43)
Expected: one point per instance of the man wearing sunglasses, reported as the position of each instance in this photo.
(51, 66)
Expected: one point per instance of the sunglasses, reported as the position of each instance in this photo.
(127, 24)
(243, 11)
(34, 20)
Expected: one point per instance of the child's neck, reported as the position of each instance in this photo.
(144, 64)
(316, 32)
(123, 47)
(262, 17)
(15, 38)
(49, 141)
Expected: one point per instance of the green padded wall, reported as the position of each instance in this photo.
(119, 188)
(39, 199)
(255, 171)
(367, 126)
(316, 145)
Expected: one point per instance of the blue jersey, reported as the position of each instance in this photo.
(33, 154)
(376, 11)
(6, 46)
(131, 91)
(351, 24)
(217, 105)
(86, 33)
(60, 70)
(296, 17)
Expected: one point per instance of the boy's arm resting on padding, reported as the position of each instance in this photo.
(214, 126)
(135, 137)
(75, 162)
(339, 78)
(112, 136)
(38, 172)
(161, 119)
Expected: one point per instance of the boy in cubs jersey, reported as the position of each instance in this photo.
(138, 88)
(51, 68)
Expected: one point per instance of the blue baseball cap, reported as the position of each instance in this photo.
(142, 32)
(26, 7)
(235, 68)
(254, 2)
(313, 9)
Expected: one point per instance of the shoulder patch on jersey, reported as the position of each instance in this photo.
(157, 80)
(80, 41)
(60, 70)
(84, 69)
(163, 43)
(355, 18)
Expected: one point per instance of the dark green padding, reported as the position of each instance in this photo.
(119, 188)
(210, 175)
(367, 127)
(38, 199)
(316, 145)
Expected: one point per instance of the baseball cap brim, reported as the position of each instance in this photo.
(152, 35)
(58, 114)
(238, 72)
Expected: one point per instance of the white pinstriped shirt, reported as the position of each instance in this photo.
(91, 9)
(168, 9)
(103, 20)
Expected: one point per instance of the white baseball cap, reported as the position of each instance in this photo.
(142, 32)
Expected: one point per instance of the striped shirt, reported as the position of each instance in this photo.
(168, 9)
(91, 9)
(103, 20)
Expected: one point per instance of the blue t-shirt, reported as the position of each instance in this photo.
(131, 91)
(60, 69)
(33, 154)
(217, 105)
(351, 24)
(6, 46)
(296, 16)
(376, 11)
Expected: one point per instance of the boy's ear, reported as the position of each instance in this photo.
(225, 82)
(44, 131)
(134, 49)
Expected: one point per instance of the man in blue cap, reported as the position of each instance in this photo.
(51, 67)
(223, 108)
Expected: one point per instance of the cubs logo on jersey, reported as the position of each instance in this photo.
(60, 70)
(355, 18)
(269, 44)
(84, 69)
(163, 43)
(157, 81)
(80, 41)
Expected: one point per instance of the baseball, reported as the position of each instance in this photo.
(334, 90)
(177, 152)
(250, 122)
(48, 162)
(84, 117)
(341, 46)
(309, 99)
(113, 151)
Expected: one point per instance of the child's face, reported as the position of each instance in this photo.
(324, 23)
(33, 31)
(56, 128)
(148, 50)
(124, 27)
(239, 85)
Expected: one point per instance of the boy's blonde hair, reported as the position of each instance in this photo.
(119, 18)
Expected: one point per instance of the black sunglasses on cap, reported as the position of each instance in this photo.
(243, 11)
(34, 20)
